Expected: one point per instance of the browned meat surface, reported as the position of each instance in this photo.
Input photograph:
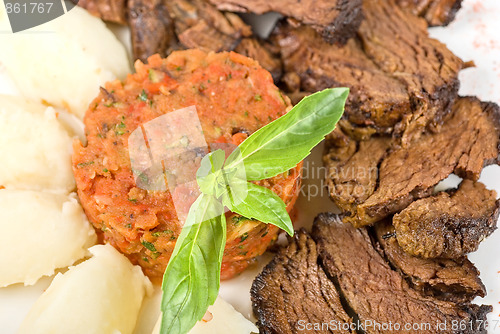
(353, 167)
(454, 280)
(401, 80)
(265, 53)
(449, 224)
(335, 20)
(293, 287)
(109, 10)
(435, 12)
(376, 292)
(151, 28)
(159, 26)
(200, 25)
(467, 141)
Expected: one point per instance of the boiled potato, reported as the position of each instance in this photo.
(63, 61)
(102, 295)
(40, 233)
(224, 320)
(35, 148)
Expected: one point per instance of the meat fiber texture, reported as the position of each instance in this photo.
(102, 295)
(401, 81)
(450, 224)
(370, 180)
(338, 275)
(435, 12)
(41, 232)
(446, 279)
(293, 287)
(336, 21)
(61, 62)
(376, 292)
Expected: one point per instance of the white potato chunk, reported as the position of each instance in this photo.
(34, 146)
(63, 61)
(40, 233)
(102, 295)
(222, 319)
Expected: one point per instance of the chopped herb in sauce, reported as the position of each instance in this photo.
(153, 75)
(149, 246)
(85, 164)
(143, 96)
(244, 236)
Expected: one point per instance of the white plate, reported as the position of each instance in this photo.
(474, 35)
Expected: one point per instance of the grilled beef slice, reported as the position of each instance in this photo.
(335, 20)
(452, 280)
(162, 26)
(450, 224)
(467, 141)
(401, 80)
(293, 287)
(376, 292)
(109, 10)
(435, 12)
(151, 28)
(198, 24)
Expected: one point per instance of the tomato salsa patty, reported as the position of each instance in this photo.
(233, 97)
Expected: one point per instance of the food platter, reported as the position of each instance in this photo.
(472, 36)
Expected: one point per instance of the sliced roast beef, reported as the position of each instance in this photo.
(265, 53)
(449, 224)
(401, 80)
(151, 28)
(435, 12)
(200, 25)
(109, 10)
(452, 280)
(294, 288)
(335, 20)
(377, 293)
(467, 141)
(353, 167)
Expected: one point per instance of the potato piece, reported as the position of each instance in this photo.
(63, 61)
(40, 233)
(225, 319)
(35, 148)
(102, 295)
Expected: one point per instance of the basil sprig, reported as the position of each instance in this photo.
(192, 278)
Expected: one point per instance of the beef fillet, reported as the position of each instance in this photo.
(109, 10)
(369, 184)
(293, 287)
(452, 280)
(341, 277)
(151, 28)
(336, 21)
(449, 224)
(401, 80)
(376, 292)
(435, 12)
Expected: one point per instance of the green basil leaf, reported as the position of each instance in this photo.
(209, 175)
(282, 144)
(192, 279)
(263, 205)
